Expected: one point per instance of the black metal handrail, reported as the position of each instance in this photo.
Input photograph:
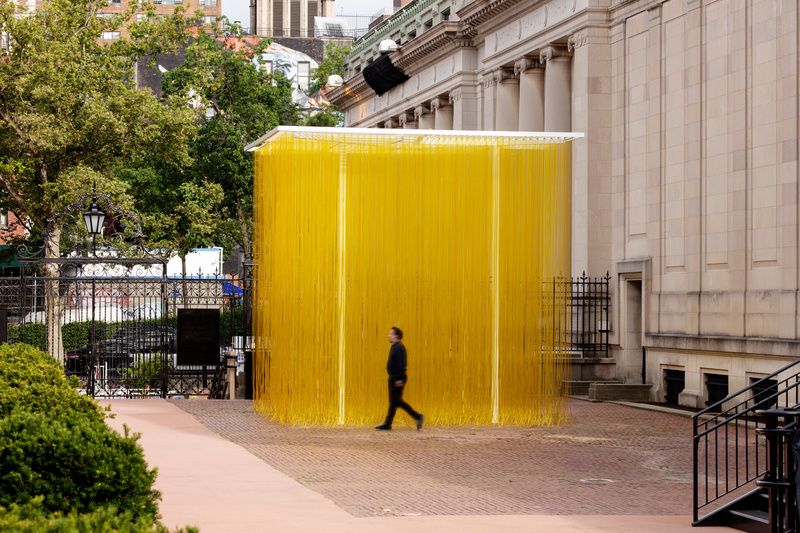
(740, 453)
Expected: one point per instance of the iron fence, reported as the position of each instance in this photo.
(114, 326)
(581, 314)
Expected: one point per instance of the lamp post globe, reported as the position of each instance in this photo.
(93, 218)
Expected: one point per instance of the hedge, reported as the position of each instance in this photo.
(76, 334)
(61, 467)
(32, 518)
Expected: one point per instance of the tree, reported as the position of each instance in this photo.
(245, 101)
(333, 63)
(70, 112)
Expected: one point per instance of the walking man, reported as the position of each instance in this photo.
(396, 367)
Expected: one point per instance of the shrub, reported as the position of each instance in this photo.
(231, 323)
(146, 372)
(31, 379)
(32, 518)
(33, 334)
(54, 444)
(74, 463)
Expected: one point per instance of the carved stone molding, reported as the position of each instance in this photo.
(551, 52)
(390, 124)
(525, 64)
(437, 103)
(420, 110)
(577, 40)
(503, 74)
(455, 95)
(405, 118)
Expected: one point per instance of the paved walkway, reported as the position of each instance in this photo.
(361, 482)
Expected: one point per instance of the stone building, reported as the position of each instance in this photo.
(287, 18)
(685, 187)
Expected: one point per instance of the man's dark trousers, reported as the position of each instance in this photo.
(396, 400)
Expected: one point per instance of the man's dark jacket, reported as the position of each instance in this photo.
(396, 367)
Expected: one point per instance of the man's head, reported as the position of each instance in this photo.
(395, 335)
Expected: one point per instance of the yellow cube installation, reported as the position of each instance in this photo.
(455, 237)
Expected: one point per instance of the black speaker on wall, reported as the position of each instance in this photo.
(381, 75)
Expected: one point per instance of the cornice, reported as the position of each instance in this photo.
(441, 36)
(476, 13)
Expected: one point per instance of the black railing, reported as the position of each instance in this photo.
(118, 326)
(729, 445)
(582, 305)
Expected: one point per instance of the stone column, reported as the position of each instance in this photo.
(506, 104)
(304, 18)
(557, 89)
(443, 114)
(425, 119)
(286, 31)
(489, 97)
(407, 121)
(466, 107)
(531, 94)
(390, 123)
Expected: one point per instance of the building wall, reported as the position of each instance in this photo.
(287, 18)
(10, 228)
(685, 187)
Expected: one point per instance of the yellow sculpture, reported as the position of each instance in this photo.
(455, 237)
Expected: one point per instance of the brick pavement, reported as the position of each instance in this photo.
(645, 455)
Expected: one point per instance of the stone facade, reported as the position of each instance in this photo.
(287, 18)
(685, 187)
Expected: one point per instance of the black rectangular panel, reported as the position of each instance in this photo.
(198, 336)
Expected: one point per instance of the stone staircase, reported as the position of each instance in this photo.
(595, 378)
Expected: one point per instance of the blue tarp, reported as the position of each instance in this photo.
(230, 288)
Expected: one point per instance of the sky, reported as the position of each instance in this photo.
(240, 9)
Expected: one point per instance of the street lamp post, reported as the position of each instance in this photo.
(93, 219)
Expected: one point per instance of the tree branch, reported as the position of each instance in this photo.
(17, 197)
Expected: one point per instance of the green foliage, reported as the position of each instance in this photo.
(33, 334)
(33, 518)
(231, 324)
(69, 108)
(333, 63)
(74, 462)
(33, 380)
(327, 118)
(247, 101)
(148, 371)
(55, 445)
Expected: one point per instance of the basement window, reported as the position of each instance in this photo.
(765, 392)
(716, 387)
(674, 383)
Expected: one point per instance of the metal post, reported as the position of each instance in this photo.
(3, 324)
(231, 359)
(95, 362)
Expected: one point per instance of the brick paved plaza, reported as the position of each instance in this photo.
(611, 460)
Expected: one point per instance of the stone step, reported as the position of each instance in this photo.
(578, 387)
(629, 392)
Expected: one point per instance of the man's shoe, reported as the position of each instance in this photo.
(420, 420)
(384, 427)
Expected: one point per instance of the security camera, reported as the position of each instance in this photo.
(387, 46)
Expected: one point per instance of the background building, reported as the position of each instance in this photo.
(211, 10)
(685, 187)
(287, 18)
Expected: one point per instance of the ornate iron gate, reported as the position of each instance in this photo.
(113, 322)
